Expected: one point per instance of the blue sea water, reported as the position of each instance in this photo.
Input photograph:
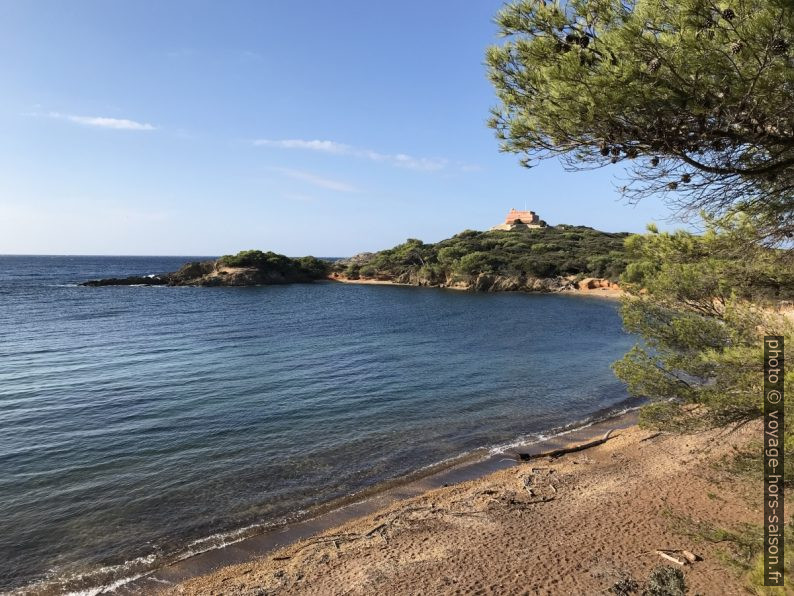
(140, 423)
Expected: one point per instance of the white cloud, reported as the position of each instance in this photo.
(103, 122)
(325, 146)
(398, 159)
(316, 180)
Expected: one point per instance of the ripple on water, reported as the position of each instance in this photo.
(136, 424)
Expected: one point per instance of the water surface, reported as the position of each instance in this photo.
(137, 422)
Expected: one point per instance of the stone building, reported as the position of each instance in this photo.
(519, 219)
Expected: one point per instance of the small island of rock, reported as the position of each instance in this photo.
(246, 268)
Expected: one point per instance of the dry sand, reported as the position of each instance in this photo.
(591, 518)
(367, 282)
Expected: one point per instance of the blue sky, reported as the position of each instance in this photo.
(314, 127)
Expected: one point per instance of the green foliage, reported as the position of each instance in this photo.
(353, 271)
(313, 267)
(477, 262)
(534, 252)
(748, 461)
(741, 549)
(309, 267)
(755, 575)
(695, 96)
(702, 305)
(666, 581)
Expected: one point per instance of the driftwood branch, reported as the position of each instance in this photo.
(673, 554)
(558, 452)
(670, 558)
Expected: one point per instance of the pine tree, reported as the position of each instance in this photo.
(692, 86)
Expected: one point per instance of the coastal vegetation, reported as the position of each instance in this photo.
(246, 268)
(271, 262)
(544, 252)
(703, 303)
(693, 101)
(695, 98)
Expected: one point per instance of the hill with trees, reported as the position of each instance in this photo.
(546, 258)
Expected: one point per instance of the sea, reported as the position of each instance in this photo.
(140, 425)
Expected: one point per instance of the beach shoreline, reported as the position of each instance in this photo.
(576, 524)
(601, 292)
(465, 467)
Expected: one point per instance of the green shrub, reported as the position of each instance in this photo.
(666, 581)
(311, 267)
(353, 270)
(367, 271)
(536, 252)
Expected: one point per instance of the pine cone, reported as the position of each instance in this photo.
(631, 153)
(672, 185)
(736, 47)
(604, 150)
(616, 151)
(686, 178)
(779, 46)
(654, 65)
(654, 161)
(614, 159)
(728, 14)
(584, 41)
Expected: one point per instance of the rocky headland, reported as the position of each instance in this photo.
(248, 268)
(364, 268)
(488, 282)
(527, 259)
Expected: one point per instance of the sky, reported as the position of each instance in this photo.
(313, 127)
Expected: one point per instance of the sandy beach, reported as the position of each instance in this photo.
(572, 525)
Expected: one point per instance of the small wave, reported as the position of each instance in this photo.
(109, 578)
(98, 581)
(534, 439)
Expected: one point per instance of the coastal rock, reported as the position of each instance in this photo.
(360, 259)
(593, 283)
(214, 273)
(192, 271)
(488, 282)
(135, 280)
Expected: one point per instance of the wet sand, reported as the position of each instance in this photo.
(572, 525)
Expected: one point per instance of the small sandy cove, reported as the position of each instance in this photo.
(572, 525)
(604, 292)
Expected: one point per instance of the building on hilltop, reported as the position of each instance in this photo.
(520, 220)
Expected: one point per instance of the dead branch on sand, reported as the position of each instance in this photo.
(679, 556)
(559, 452)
